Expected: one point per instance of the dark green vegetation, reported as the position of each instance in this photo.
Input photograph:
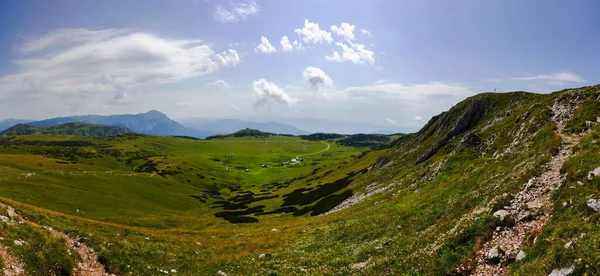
(149, 203)
(78, 129)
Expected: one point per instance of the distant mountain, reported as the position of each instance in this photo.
(226, 126)
(4, 124)
(314, 125)
(152, 122)
(79, 129)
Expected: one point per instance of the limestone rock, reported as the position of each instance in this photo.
(562, 271)
(494, 255)
(594, 204)
(501, 214)
(594, 173)
(521, 255)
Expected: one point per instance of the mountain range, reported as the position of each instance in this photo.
(79, 129)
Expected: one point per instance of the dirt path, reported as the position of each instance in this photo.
(87, 266)
(530, 208)
(326, 149)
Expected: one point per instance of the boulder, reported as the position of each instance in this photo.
(264, 255)
(562, 271)
(18, 242)
(594, 173)
(494, 255)
(594, 204)
(221, 273)
(529, 184)
(521, 255)
(501, 214)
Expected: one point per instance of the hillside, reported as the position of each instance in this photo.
(78, 129)
(501, 183)
(152, 122)
(5, 124)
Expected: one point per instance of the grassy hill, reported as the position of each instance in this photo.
(78, 129)
(422, 204)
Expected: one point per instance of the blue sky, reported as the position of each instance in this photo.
(388, 63)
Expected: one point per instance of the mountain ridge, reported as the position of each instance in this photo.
(79, 129)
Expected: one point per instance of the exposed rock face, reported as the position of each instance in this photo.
(467, 120)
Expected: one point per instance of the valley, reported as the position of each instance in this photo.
(256, 203)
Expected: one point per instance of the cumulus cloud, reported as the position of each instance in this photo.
(121, 99)
(355, 53)
(265, 46)
(366, 32)
(267, 92)
(288, 46)
(345, 30)
(556, 77)
(317, 77)
(312, 33)
(235, 11)
(220, 84)
(117, 62)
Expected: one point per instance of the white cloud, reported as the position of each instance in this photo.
(63, 37)
(220, 84)
(418, 119)
(355, 53)
(556, 77)
(185, 104)
(228, 58)
(412, 92)
(235, 11)
(286, 46)
(121, 99)
(105, 63)
(317, 77)
(267, 92)
(393, 122)
(364, 31)
(345, 30)
(233, 107)
(264, 46)
(312, 33)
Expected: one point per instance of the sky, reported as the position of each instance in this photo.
(392, 64)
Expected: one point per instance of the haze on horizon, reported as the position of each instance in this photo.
(392, 64)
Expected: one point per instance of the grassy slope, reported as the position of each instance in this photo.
(427, 222)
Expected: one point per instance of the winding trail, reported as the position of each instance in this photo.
(306, 154)
(531, 207)
(87, 266)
